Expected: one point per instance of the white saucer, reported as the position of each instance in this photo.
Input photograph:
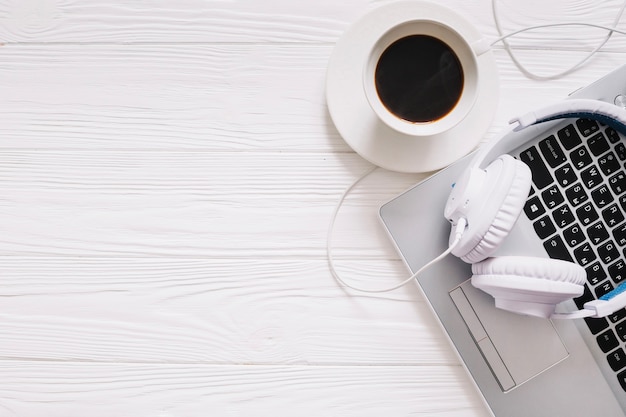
(361, 128)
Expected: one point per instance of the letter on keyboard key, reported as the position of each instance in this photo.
(597, 233)
(617, 271)
(602, 196)
(619, 235)
(576, 194)
(595, 273)
(608, 252)
(587, 214)
(591, 177)
(552, 197)
(584, 254)
(563, 216)
(612, 215)
(573, 235)
(580, 157)
(565, 175)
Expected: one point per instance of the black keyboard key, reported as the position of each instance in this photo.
(569, 137)
(622, 202)
(541, 175)
(576, 194)
(597, 233)
(587, 214)
(565, 175)
(595, 273)
(544, 227)
(573, 235)
(563, 216)
(584, 254)
(602, 196)
(612, 215)
(552, 197)
(604, 288)
(591, 177)
(552, 151)
(607, 341)
(617, 316)
(608, 252)
(533, 208)
(617, 359)
(612, 135)
(620, 329)
(556, 249)
(620, 150)
(580, 157)
(608, 164)
(618, 182)
(598, 144)
(617, 271)
(621, 377)
(619, 235)
(596, 325)
(587, 126)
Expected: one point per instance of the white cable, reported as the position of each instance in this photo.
(331, 260)
(529, 74)
(578, 314)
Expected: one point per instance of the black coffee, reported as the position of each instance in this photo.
(419, 78)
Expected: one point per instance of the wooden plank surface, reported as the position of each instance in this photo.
(168, 170)
(173, 390)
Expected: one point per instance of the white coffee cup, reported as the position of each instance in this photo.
(430, 90)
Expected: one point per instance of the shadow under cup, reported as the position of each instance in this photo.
(421, 78)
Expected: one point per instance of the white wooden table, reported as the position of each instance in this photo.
(168, 169)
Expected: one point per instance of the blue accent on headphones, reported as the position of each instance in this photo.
(617, 291)
(609, 121)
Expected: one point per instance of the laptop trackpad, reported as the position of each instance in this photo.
(516, 347)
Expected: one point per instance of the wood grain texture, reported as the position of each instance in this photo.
(186, 204)
(214, 98)
(167, 174)
(212, 311)
(140, 390)
(164, 96)
(250, 21)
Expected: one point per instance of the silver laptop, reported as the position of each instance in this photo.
(526, 366)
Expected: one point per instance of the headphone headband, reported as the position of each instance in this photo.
(606, 113)
(489, 200)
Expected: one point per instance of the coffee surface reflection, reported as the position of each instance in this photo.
(419, 79)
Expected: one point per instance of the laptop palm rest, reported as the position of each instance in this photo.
(513, 357)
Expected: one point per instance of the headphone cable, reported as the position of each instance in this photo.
(531, 75)
(459, 229)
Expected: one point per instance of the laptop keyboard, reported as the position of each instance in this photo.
(578, 208)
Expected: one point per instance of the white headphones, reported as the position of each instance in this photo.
(487, 201)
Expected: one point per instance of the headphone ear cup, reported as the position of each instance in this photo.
(531, 286)
(492, 212)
